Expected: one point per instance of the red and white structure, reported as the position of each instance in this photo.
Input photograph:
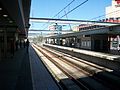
(113, 12)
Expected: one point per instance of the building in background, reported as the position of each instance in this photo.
(113, 12)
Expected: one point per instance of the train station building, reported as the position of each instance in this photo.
(72, 63)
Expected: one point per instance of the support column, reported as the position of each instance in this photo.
(5, 42)
(53, 40)
(0, 53)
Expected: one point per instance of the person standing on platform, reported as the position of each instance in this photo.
(27, 45)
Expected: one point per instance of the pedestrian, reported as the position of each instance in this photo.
(27, 45)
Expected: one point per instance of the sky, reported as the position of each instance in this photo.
(49, 8)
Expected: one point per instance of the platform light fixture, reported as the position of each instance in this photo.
(5, 15)
(10, 21)
(1, 30)
(0, 8)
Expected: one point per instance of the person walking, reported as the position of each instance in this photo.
(27, 45)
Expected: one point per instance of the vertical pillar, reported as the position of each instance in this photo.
(45, 40)
(5, 42)
(0, 52)
(53, 40)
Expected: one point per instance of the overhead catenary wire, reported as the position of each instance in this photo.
(60, 11)
(79, 6)
(63, 8)
(74, 8)
(80, 20)
(105, 14)
(69, 23)
(92, 18)
(117, 11)
(71, 9)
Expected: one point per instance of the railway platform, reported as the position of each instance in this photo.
(25, 71)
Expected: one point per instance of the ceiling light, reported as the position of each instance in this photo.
(1, 30)
(5, 15)
(0, 8)
(10, 21)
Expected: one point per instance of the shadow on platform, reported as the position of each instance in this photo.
(15, 73)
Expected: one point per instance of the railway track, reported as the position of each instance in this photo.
(83, 73)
